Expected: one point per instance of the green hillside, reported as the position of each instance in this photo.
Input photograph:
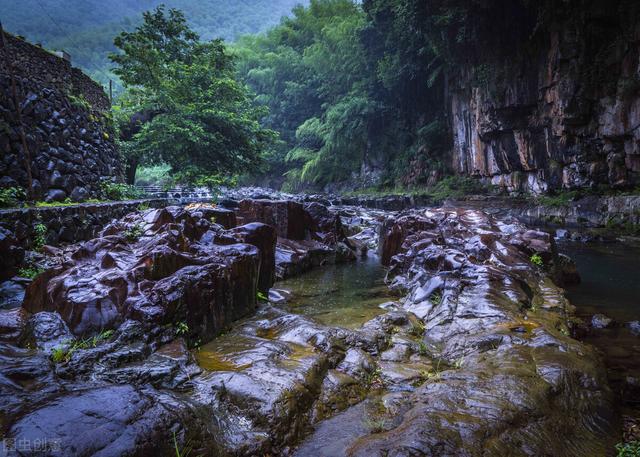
(85, 28)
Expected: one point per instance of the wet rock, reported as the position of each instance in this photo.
(278, 296)
(55, 195)
(12, 323)
(170, 366)
(634, 326)
(326, 226)
(157, 267)
(46, 331)
(491, 319)
(394, 231)
(308, 235)
(264, 238)
(79, 194)
(565, 271)
(106, 421)
(600, 321)
(222, 216)
(296, 257)
(289, 218)
(11, 294)
(265, 376)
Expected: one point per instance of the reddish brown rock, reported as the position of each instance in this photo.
(222, 216)
(308, 235)
(289, 218)
(159, 267)
(264, 238)
(394, 231)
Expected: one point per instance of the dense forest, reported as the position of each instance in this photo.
(86, 28)
(350, 88)
(354, 92)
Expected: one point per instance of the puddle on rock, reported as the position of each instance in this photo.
(345, 295)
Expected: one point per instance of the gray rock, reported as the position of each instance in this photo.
(600, 321)
(55, 195)
(108, 421)
(79, 194)
(46, 331)
(634, 326)
(11, 294)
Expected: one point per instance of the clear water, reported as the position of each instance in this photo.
(611, 285)
(610, 279)
(344, 295)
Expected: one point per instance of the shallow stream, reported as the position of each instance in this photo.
(610, 285)
(345, 295)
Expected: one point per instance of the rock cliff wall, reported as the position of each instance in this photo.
(561, 109)
(65, 119)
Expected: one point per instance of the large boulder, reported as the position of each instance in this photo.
(289, 218)
(108, 421)
(264, 238)
(309, 234)
(159, 267)
(222, 216)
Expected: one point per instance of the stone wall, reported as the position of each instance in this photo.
(65, 116)
(560, 111)
(68, 224)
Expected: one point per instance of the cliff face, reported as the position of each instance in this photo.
(561, 112)
(65, 119)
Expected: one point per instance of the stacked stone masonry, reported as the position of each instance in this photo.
(65, 117)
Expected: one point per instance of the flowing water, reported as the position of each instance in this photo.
(611, 286)
(345, 295)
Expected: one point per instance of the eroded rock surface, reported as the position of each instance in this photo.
(519, 381)
(159, 267)
(475, 358)
(309, 234)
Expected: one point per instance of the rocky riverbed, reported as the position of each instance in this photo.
(185, 327)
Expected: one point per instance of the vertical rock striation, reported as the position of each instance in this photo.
(555, 103)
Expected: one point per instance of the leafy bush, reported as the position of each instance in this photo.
(11, 196)
(158, 175)
(39, 236)
(134, 233)
(630, 449)
(537, 260)
(30, 271)
(182, 328)
(119, 191)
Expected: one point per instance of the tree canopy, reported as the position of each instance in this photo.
(351, 88)
(203, 120)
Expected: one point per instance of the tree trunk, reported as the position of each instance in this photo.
(130, 172)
